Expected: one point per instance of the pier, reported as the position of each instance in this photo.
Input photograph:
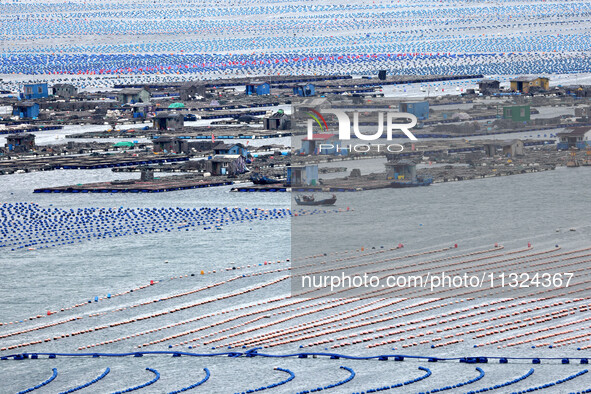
(85, 162)
(167, 184)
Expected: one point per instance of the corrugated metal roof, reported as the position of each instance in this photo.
(130, 90)
(575, 132)
(526, 79)
(403, 162)
(322, 137)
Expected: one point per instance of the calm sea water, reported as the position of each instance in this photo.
(538, 208)
(514, 209)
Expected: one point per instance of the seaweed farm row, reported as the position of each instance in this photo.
(242, 312)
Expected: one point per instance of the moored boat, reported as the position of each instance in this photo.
(311, 200)
(412, 183)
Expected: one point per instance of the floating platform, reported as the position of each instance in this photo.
(419, 182)
(31, 129)
(87, 162)
(334, 186)
(156, 186)
(278, 187)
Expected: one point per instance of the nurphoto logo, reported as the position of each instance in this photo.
(397, 125)
(345, 124)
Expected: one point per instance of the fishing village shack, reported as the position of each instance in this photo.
(190, 146)
(490, 148)
(20, 143)
(529, 84)
(192, 90)
(517, 113)
(401, 170)
(301, 108)
(258, 88)
(300, 175)
(323, 144)
(64, 90)
(583, 112)
(165, 144)
(304, 90)
(489, 86)
(230, 149)
(578, 137)
(133, 95)
(26, 110)
(420, 109)
(512, 148)
(35, 91)
(509, 148)
(168, 121)
(277, 121)
(228, 165)
(140, 110)
(316, 103)
(147, 174)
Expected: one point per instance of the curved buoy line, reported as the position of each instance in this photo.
(93, 381)
(508, 383)
(339, 383)
(53, 376)
(457, 385)
(411, 381)
(199, 383)
(547, 385)
(272, 385)
(254, 353)
(141, 386)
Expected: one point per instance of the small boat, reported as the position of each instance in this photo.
(310, 200)
(418, 182)
(259, 179)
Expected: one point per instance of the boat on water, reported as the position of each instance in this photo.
(412, 183)
(259, 179)
(311, 200)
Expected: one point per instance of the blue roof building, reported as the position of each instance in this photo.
(35, 91)
(420, 109)
(301, 175)
(304, 90)
(230, 149)
(578, 137)
(26, 110)
(22, 142)
(258, 88)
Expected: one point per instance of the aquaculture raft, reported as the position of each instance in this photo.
(88, 162)
(279, 187)
(157, 186)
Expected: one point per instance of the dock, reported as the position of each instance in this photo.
(279, 187)
(29, 129)
(85, 162)
(166, 184)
